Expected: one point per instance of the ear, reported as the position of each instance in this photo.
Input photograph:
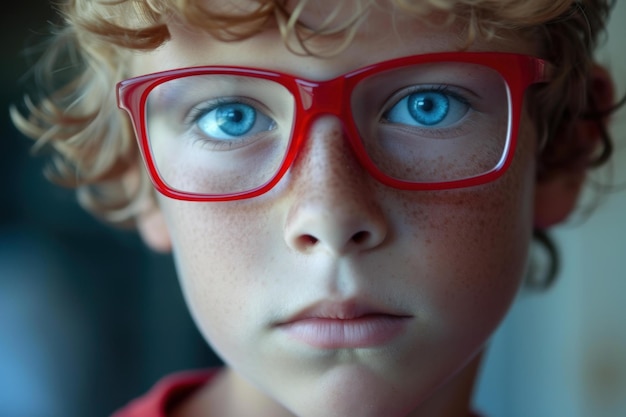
(556, 195)
(149, 220)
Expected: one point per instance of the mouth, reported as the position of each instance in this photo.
(344, 325)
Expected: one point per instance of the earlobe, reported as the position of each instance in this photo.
(149, 221)
(557, 192)
(153, 230)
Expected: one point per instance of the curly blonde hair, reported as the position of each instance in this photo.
(76, 114)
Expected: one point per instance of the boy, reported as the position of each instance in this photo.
(349, 190)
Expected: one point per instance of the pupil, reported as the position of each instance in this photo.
(426, 105)
(234, 116)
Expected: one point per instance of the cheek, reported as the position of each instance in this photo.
(475, 245)
(218, 249)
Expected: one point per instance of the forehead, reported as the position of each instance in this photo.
(324, 20)
(317, 14)
(381, 31)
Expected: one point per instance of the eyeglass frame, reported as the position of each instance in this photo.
(333, 97)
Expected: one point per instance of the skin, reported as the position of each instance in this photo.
(450, 260)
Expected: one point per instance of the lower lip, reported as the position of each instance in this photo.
(366, 331)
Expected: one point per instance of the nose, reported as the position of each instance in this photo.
(333, 207)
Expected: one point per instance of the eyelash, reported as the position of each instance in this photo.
(200, 110)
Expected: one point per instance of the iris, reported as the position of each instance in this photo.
(235, 119)
(428, 108)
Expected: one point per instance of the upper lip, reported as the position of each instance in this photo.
(343, 310)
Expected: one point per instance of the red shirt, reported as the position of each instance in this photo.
(166, 394)
(169, 391)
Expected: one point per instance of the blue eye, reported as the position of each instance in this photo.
(232, 121)
(235, 119)
(428, 108)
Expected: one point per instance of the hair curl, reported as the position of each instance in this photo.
(76, 113)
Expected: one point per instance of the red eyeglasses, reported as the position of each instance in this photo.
(425, 122)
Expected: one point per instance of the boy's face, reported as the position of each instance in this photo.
(425, 277)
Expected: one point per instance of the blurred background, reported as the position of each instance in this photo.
(89, 318)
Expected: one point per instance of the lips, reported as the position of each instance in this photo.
(350, 324)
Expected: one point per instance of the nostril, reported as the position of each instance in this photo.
(360, 237)
(307, 240)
